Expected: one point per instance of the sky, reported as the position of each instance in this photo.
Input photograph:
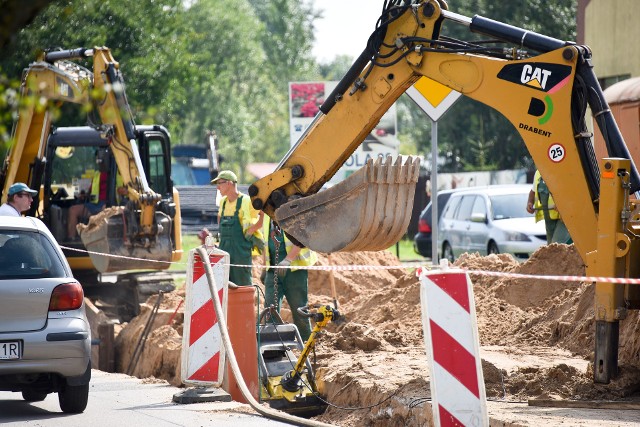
(345, 27)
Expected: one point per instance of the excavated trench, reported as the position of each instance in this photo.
(536, 337)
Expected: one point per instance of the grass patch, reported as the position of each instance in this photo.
(189, 242)
(404, 250)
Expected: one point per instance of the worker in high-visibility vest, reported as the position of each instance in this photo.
(238, 222)
(541, 203)
(293, 281)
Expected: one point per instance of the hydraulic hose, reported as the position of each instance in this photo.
(222, 323)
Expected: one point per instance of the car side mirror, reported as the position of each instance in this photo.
(478, 217)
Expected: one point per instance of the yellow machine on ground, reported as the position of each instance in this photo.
(288, 383)
(141, 222)
(540, 84)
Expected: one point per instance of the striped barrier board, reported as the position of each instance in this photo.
(203, 354)
(451, 338)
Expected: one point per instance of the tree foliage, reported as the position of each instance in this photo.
(208, 64)
(217, 65)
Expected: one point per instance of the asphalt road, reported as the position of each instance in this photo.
(120, 400)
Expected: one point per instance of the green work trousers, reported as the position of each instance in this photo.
(294, 288)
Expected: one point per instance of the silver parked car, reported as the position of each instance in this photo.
(45, 338)
(490, 220)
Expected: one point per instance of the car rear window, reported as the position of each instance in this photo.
(28, 255)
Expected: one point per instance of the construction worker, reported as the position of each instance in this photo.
(238, 223)
(293, 282)
(541, 202)
(19, 199)
(97, 200)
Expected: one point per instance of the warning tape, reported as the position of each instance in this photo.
(404, 266)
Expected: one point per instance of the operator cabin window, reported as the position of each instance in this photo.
(157, 172)
(72, 170)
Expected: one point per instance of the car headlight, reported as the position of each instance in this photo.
(515, 236)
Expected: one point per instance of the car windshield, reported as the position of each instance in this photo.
(28, 255)
(509, 206)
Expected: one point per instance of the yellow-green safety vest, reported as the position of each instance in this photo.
(551, 206)
(306, 256)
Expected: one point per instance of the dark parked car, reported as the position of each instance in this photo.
(45, 338)
(422, 239)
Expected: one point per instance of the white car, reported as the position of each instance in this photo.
(45, 338)
(490, 220)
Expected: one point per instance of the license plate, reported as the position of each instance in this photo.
(10, 350)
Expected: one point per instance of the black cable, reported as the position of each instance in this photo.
(358, 408)
(581, 138)
(418, 401)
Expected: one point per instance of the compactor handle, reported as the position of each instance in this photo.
(324, 312)
(304, 311)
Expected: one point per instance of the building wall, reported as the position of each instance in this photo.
(612, 30)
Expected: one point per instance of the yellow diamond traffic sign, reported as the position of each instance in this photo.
(433, 97)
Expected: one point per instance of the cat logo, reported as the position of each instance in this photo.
(64, 89)
(534, 76)
(543, 76)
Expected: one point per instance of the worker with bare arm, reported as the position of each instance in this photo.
(96, 201)
(238, 222)
(541, 202)
(291, 282)
(18, 200)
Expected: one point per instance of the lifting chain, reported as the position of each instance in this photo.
(276, 241)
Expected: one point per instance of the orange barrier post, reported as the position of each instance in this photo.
(241, 324)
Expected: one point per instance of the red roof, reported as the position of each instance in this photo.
(260, 170)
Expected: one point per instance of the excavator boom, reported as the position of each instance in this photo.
(540, 88)
(542, 85)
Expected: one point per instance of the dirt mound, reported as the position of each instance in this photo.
(536, 336)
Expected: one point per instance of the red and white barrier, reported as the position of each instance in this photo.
(203, 354)
(451, 337)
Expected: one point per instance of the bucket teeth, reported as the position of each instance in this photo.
(368, 211)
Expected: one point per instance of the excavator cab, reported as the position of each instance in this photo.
(74, 154)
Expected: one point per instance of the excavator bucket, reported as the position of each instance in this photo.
(106, 233)
(368, 211)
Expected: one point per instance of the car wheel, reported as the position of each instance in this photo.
(73, 398)
(34, 396)
(447, 252)
(493, 248)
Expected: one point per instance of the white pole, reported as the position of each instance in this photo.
(434, 192)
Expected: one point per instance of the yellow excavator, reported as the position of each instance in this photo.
(141, 222)
(542, 85)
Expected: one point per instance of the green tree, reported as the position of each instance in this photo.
(191, 67)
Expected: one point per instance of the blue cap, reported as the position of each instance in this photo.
(21, 186)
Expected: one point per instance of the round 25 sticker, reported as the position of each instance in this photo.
(556, 153)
